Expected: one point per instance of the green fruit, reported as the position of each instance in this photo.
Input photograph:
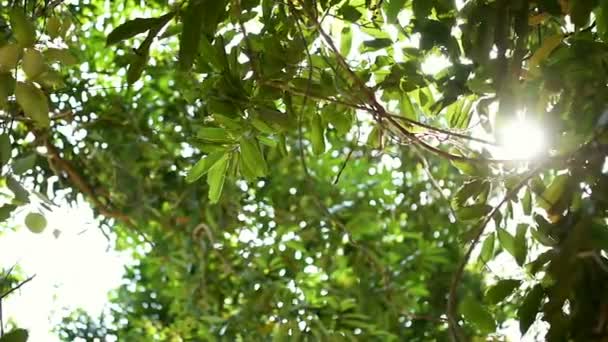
(35, 222)
(23, 28)
(53, 26)
(9, 56)
(33, 102)
(33, 63)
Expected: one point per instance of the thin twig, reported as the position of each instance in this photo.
(5, 294)
(305, 99)
(427, 169)
(456, 278)
(350, 153)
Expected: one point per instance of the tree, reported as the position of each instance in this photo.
(287, 168)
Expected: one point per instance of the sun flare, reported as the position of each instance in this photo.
(522, 139)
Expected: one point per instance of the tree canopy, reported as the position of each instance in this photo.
(319, 170)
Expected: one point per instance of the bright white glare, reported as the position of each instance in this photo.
(522, 140)
(73, 270)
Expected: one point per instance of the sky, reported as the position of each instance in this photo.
(75, 269)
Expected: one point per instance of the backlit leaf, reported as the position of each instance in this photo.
(21, 194)
(216, 178)
(317, 134)
(191, 33)
(501, 290)
(475, 313)
(24, 164)
(487, 248)
(549, 44)
(203, 165)
(473, 212)
(553, 193)
(252, 156)
(529, 308)
(130, 29)
(23, 27)
(5, 148)
(34, 103)
(392, 10)
(507, 241)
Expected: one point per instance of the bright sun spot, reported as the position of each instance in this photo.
(522, 140)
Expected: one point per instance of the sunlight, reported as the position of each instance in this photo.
(522, 140)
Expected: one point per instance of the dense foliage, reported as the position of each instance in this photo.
(294, 170)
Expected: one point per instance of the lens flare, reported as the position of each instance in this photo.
(522, 140)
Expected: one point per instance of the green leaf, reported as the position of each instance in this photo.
(375, 138)
(216, 178)
(9, 57)
(246, 172)
(253, 157)
(5, 148)
(53, 25)
(526, 202)
(21, 195)
(213, 134)
(543, 238)
(529, 308)
(346, 41)
(62, 56)
(476, 314)
(35, 222)
(536, 265)
(191, 34)
(487, 248)
(378, 43)
(521, 247)
(34, 103)
(130, 29)
(507, 241)
(317, 134)
(23, 27)
(501, 290)
(6, 211)
(407, 109)
(136, 67)
(553, 193)
(340, 119)
(24, 164)
(203, 165)
(392, 10)
(473, 212)
(466, 167)
(422, 8)
(469, 190)
(32, 63)
(349, 13)
(17, 335)
(214, 12)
